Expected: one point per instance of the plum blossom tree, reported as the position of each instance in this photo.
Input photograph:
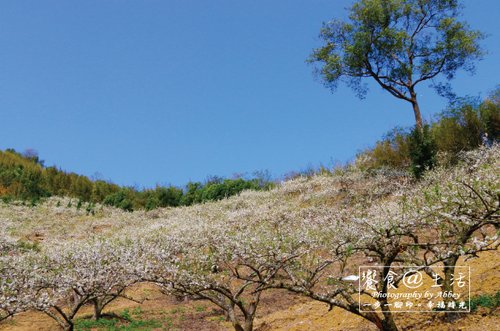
(222, 261)
(453, 213)
(61, 281)
(460, 208)
(15, 274)
(344, 241)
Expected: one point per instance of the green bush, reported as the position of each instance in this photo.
(168, 196)
(391, 152)
(24, 177)
(461, 127)
(422, 150)
(464, 125)
(192, 194)
(485, 300)
(490, 115)
(119, 199)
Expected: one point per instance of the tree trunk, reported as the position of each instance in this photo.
(69, 326)
(386, 324)
(418, 116)
(58, 315)
(389, 325)
(374, 318)
(97, 309)
(416, 111)
(234, 320)
(249, 324)
(246, 326)
(447, 287)
(238, 327)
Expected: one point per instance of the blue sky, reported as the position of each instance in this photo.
(167, 91)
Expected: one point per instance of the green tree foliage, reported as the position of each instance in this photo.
(192, 194)
(398, 44)
(121, 199)
(21, 177)
(24, 176)
(163, 197)
(422, 150)
(391, 152)
(464, 126)
(217, 190)
(490, 115)
(168, 196)
(101, 189)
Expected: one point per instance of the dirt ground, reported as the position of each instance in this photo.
(280, 310)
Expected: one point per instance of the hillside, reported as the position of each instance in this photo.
(196, 118)
(304, 236)
(23, 176)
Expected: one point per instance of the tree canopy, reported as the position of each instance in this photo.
(399, 44)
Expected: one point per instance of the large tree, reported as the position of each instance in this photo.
(398, 43)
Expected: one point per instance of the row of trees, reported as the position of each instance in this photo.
(24, 176)
(231, 252)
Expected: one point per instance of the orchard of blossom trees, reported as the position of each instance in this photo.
(307, 236)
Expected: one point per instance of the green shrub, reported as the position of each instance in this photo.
(391, 152)
(24, 177)
(168, 196)
(464, 125)
(192, 194)
(459, 128)
(119, 199)
(485, 300)
(422, 150)
(489, 111)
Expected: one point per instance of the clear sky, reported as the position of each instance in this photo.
(167, 91)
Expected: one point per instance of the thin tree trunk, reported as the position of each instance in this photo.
(447, 287)
(416, 110)
(389, 325)
(418, 116)
(238, 327)
(234, 320)
(374, 318)
(249, 324)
